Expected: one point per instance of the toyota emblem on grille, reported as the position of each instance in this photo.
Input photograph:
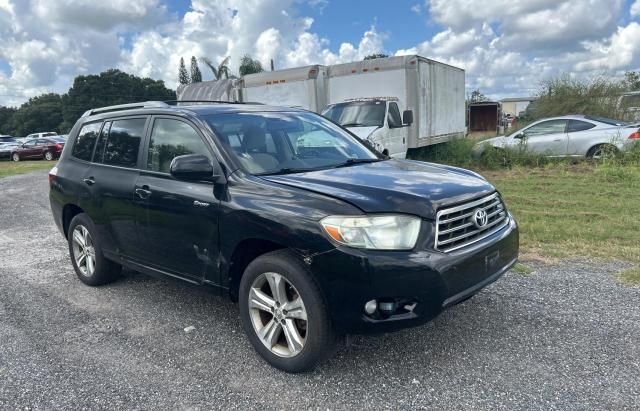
(480, 218)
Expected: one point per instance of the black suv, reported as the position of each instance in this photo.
(312, 232)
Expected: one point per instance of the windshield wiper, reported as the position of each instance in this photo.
(354, 161)
(286, 170)
(355, 125)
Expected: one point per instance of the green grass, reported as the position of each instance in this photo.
(581, 210)
(522, 269)
(565, 207)
(10, 168)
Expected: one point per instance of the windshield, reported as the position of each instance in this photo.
(357, 113)
(278, 143)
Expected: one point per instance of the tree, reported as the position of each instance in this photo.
(108, 88)
(6, 119)
(477, 97)
(631, 81)
(41, 113)
(196, 75)
(376, 56)
(220, 70)
(249, 66)
(183, 76)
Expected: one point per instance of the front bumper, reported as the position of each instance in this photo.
(431, 279)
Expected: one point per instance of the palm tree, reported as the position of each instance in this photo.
(222, 69)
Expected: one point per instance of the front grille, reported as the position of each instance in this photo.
(456, 227)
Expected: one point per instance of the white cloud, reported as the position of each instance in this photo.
(506, 47)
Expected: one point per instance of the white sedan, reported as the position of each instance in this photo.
(567, 136)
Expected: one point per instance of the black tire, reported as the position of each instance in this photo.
(602, 151)
(48, 155)
(320, 337)
(15, 157)
(105, 271)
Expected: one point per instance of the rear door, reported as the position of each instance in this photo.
(111, 180)
(179, 228)
(547, 137)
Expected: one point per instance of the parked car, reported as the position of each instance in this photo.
(6, 148)
(39, 148)
(567, 136)
(41, 135)
(7, 139)
(314, 234)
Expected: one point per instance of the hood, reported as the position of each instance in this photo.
(393, 186)
(499, 141)
(362, 132)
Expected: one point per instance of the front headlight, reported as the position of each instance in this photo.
(384, 232)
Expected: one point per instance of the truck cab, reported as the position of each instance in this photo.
(376, 120)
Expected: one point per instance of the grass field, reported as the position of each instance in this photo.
(575, 210)
(9, 168)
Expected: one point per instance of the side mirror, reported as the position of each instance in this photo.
(407, 117)
(195, 167)
(520, 135)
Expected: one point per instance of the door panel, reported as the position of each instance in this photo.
(180, 227)
(180, 223)
(548, 138)
(396, 139)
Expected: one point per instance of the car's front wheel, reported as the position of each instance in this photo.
(90, 265)
(284, 313)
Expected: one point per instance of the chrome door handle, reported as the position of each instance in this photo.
(142, 193)
(89, 181)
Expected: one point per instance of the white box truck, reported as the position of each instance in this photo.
(300, 87)
(399, 102)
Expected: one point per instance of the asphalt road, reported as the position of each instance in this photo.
(563, 337)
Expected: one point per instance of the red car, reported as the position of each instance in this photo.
(48, 148)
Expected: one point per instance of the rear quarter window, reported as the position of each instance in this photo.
(85, 141)
(577, 125)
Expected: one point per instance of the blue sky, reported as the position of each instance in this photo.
(506, 47)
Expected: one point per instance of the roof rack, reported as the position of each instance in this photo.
(157, 104)
(176, 102)
(130, 106)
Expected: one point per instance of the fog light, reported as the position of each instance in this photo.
(370, 307)
(387, 307)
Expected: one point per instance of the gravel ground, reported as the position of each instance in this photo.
(563, 337)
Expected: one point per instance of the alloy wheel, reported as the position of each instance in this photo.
(278, 314)
(48, 156)
(83, 251)
(16, 157)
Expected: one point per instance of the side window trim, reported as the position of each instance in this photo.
(147, 140)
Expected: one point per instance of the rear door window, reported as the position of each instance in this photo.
(85, 141)
(120, 145)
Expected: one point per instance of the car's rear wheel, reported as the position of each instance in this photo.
(91, 267)
(284, 313)
(602, 152)
(48, 155)
(15, 157)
